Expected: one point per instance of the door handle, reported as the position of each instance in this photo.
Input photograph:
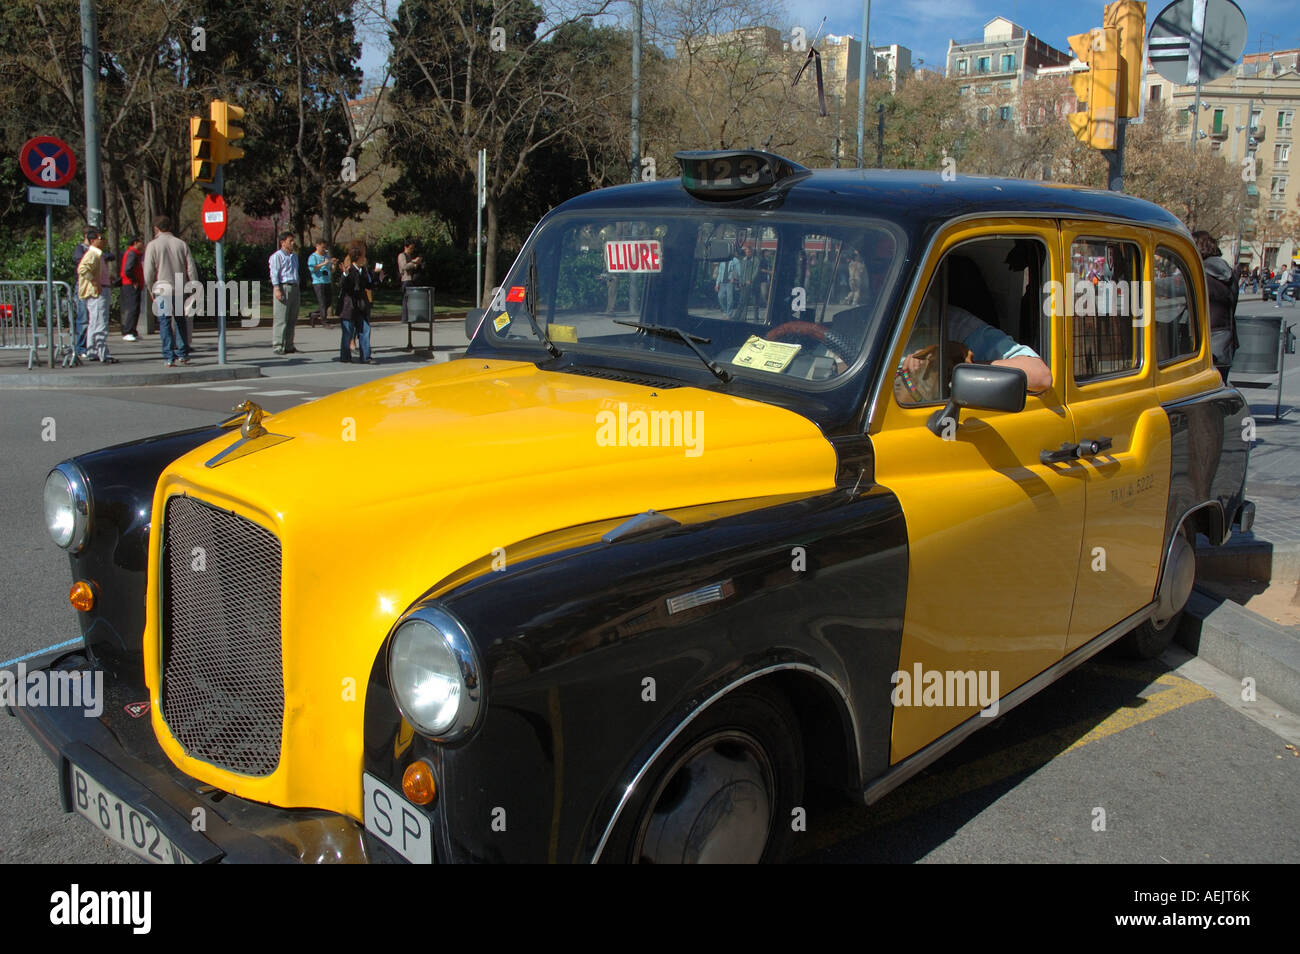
(1092, 448)
(1065, 454)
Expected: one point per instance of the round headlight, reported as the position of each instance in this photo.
(67, 507)
(433, 674)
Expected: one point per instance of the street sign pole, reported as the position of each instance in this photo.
(219, 182)
(49, 285)
(1115, 159)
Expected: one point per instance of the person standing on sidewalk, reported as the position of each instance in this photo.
(354, 305)
(81, 319)
(283, 264)
(132, 273)
(408, 269)
(168, 265)
(94, 288)
(321, 267)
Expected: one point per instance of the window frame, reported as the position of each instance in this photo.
(1069, 238)
(1194, 309)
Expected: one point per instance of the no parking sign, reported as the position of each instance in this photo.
(47, 162)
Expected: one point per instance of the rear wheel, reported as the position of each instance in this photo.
(1149, 640)
(723, 792)
(1153, 637)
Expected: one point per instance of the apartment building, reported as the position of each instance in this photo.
(993, 68)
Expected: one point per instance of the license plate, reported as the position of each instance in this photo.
(396, 822)
(119, 821)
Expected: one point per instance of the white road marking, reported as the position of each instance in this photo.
(283, 393)
(231, 387)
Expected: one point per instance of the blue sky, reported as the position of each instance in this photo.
(925, 26)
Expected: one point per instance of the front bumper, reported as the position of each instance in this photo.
(126, 759)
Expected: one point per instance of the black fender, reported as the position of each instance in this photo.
(589, 670)
(121, 481)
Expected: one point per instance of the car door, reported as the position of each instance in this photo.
(994, 534)
(1111, 396)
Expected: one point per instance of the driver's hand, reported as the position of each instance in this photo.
(911, 364)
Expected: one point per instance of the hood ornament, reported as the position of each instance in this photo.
(253, 436)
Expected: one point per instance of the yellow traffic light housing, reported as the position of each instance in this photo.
(1095, 88)
(1129, 18)
(229, 122)
(203, 166)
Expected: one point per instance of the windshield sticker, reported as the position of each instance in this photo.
(516, 293)
(637, 255)
(774, 356)
(500, 321)
(562, 333)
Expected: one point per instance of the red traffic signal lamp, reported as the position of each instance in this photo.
(1095, 88)
(228, 119)
(203, 163)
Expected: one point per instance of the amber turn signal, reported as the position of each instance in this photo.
(82, 596)
(418, 784)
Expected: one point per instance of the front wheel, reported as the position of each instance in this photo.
(723, 792)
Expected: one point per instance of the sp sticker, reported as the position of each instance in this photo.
(500, 321)
(635, 255)
(136, 709)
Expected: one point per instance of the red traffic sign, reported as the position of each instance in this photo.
(214, 217)
(47, 162)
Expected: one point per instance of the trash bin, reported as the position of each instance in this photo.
(417, 309)
(1257, 340)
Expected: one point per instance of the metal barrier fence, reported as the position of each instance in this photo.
(24, 326)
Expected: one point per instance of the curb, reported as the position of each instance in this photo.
(1254, 560)
(69, 378)
(1244, 644)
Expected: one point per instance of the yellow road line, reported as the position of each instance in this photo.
(932, 790)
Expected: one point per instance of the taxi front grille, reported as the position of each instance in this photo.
(222, 674)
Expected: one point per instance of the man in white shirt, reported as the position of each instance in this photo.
(284, 281)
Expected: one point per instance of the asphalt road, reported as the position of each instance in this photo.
(1183, 771)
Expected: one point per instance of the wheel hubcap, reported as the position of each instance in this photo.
(714, 806)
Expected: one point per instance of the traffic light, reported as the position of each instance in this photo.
(1095, 123)
(203, 166)
(229, 122)
(1129, 18)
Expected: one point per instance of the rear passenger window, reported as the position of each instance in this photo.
(1178, 327)
(1104, 300)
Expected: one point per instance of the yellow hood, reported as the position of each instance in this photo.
(383, 490)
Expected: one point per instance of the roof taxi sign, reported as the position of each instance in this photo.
(734, 174)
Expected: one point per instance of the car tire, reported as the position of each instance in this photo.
(723, 792)
(1149, 640)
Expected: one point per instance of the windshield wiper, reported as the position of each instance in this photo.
(530, 294)
(666, 331)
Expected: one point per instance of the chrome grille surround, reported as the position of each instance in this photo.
(222, 670)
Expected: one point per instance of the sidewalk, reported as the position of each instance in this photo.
(248, 355)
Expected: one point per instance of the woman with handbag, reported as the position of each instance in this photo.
(1222, 293)
(354, 304)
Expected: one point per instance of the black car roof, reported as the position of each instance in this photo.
(920, 200)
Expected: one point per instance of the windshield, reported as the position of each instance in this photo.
(781, 300)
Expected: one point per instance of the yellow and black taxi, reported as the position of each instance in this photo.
(751, 479)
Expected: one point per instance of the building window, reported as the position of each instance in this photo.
(1004, 113)
(982, 66)
(984, 114)
(963, 66)
(1005, 85)
(1256, 117)
(1285, 117)
(984, 90)
(963, 90)
(1154, 94)
(1282, 152)
(1218, 120)
(1278, 189)
(1008, 62)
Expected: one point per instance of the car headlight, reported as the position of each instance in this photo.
(67, 506)
(434, 674)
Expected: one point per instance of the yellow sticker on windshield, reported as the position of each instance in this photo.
(562, 333)
(774, 356)
(500, 321)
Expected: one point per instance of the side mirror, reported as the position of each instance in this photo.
(473, 318)
(985, 387)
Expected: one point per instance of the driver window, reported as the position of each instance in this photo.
(986, 302)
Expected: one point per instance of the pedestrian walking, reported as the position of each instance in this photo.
(355, 286)
(321, 267)
(94, 286)
(168, 265)
(132, 275)
(283, 264)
